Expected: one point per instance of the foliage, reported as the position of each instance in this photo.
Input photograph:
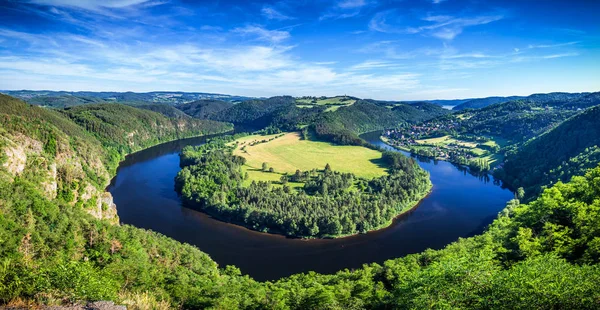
(204, 108)
(559, 154)
(343, 125)
(330, 204)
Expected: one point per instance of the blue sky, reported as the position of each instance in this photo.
(394, 50)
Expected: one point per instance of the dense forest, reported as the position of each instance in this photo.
(537, 98)
(330, 204)
(166, 110)
(565, 151)
(205, 108)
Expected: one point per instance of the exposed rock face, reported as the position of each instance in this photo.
(105, 207)
(16, 150)
(22, 153)
(15, 159)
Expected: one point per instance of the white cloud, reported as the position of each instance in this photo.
(272, 13)
(93, 5)
(346, 9)
(371, 64)
(532, 46)
(443, 26)
(273, 36)
(351, 4)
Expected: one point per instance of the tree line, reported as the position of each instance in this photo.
(329, 204)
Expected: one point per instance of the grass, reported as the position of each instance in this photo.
(445, 140)
(288, 153)
(334, 102)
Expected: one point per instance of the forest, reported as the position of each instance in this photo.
(557, 155)
(330, 204)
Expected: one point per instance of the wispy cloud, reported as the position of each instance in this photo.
(273, 36)
(531, 46)
(370, 64)
(440, 26)
(93, 4)
(272, 13)
(346, 9)
(351, 4)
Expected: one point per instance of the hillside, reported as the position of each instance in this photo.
(344, 125)
(70, 155)
(538, 99)
(60, 98)
(205, 108)
(565, 151)
(484, 102)
(256, 113)
(166, 110)
(123, 129)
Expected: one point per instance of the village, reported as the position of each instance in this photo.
(440, 140)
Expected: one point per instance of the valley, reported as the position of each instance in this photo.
(295, 228)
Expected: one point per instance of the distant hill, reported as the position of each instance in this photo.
(204, 108)
(565, 151)
(484, 102)
(166, 110)
(345, 124)
(257, 113)
(535, 98)
(61, 99)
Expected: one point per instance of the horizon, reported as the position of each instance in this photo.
(241, 95)
(386, 50)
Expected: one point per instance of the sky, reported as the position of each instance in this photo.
(381, 49)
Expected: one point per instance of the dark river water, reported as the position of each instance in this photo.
(460, 205)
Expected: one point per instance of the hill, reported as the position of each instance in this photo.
(539, 99)
(64, 98)
(204, 108)
(257, 113)
(484, 102)
(557, 155)
(165, 110)
(345, 124)
(69, 155)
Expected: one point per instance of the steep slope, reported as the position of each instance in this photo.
(205, 108)
(124, 129)
(567, 150)
(484, 102)
(538, 99)
(344, 125)
(70, 155)
(256, 113)
(166, 110)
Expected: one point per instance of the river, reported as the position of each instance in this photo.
(460, 205)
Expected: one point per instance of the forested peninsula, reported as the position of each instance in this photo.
(329, 204)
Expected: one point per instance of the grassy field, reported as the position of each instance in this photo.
(334, 103)
(288, 153)
(445, 140)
